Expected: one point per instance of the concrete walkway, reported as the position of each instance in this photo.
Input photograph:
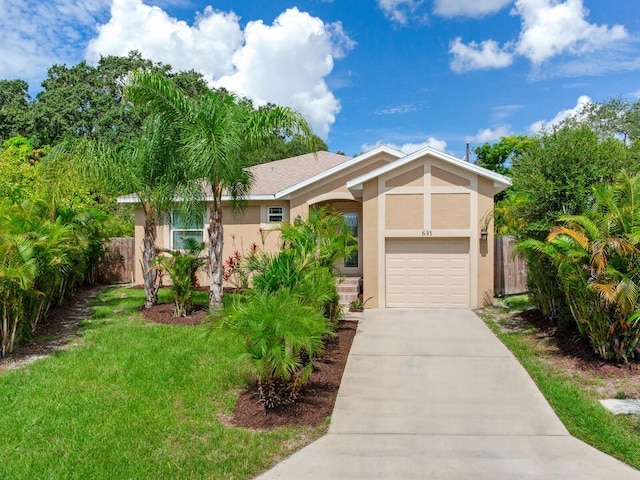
(433, 394)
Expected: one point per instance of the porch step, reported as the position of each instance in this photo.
(348, 289)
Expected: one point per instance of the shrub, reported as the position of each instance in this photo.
(596, 260)
(279, 331)
(182, 267)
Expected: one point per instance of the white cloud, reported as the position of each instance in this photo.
(550, 27)
(490, 134)
(408, 148)
(285, 63)
(575, 112)
(35, 34)
(473, 56)
(207, 46)
(401, 11)
(468, 8)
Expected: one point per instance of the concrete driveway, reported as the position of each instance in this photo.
(433, 394)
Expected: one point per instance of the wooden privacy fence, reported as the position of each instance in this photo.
(510, 273)
(117, 263)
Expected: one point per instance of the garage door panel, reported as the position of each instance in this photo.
(427, 272)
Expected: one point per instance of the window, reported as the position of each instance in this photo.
(275, 214)
(351, 220)
(183, 228)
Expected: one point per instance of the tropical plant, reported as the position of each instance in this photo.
(18, 269)
(182, 267)
(214, 128)
(597, 259)
(358, 304)
(321, 241)
(147, 167)
(279, 331)
(44, 255)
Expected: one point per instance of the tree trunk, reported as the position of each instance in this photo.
(149, 273)
(216, 242)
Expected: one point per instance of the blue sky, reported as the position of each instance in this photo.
(364, 72)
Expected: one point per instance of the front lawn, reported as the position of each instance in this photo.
(572, 378)
(135, 400)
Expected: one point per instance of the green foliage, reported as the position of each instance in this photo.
(44, 256)
(358, 304)
(500, 156)
(280, 146)
(556, 174)
(613, 117)
(215, 128)
(182, 267)
(555, 177)
(282, 337)
(597, 259)
(20, 170)
(14, 108)
(147, 166)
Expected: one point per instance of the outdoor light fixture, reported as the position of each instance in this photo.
(483, 235)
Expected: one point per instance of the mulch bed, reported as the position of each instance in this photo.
(569, 344)
(163, 313)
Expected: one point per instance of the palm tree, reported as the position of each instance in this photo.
(215, 128)
(148, 167)
(18, 269)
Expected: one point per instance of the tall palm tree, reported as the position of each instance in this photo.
(215, 128)
(147, 166)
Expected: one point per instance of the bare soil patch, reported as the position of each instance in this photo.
(58, 330)
(317, 398)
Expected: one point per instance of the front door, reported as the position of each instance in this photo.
(352, 265)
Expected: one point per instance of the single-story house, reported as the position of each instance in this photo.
(423, 221)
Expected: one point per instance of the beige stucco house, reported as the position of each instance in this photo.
(422, 221)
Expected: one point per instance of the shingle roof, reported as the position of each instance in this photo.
(273, 177)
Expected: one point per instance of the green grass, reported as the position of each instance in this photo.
(575, 404)
(134, 400)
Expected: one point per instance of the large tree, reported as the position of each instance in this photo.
(14, 108)
(499, 156)
(215, 128)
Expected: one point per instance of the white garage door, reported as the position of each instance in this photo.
(431, 272)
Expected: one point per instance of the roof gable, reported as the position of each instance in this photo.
(500, 182)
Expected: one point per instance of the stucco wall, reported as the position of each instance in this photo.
(486, 253)
(370, 253)
(450, 210)
(404, 212)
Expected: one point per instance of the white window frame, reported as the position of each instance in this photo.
(190, 228)
(273, 217)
